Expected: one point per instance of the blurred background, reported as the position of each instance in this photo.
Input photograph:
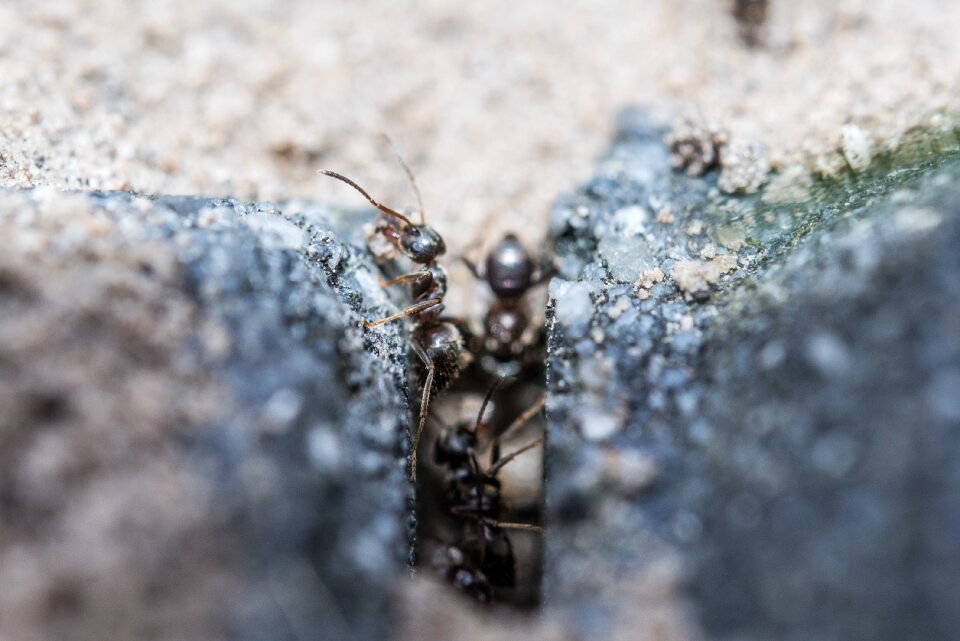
(499, 106)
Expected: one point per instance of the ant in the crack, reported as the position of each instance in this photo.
(483, 559)
(509, 344)
(435, 339)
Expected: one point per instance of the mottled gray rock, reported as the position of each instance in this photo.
(197, 440)
(784, 383)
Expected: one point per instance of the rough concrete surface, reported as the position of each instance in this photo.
(197, 441)
(761, 397)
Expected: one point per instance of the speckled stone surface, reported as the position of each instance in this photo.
(197, 440)
(756, 403)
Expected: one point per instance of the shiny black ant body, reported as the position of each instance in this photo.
(504, 349)
(483, 559)
(435, 339)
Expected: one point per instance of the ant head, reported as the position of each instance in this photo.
(455, 446)
(421, 243)
(509, 268)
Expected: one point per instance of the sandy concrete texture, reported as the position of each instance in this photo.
(499, 105)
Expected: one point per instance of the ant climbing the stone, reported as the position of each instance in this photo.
(507, 345)
(435, 339)
(483, 558)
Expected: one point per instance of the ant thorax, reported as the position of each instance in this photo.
(434, 287)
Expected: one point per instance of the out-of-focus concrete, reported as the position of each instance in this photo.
(762, 396)
(197, 440)
(498, 105)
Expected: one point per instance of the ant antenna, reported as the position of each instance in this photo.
(410, 176)
(383, 208)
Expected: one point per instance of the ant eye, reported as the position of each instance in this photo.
(421, 243)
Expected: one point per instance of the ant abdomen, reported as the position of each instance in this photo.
(499, 562)
(443, 345)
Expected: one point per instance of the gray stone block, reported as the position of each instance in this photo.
(764, 421)
(197, 439)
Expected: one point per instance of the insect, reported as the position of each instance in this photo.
(750, 16)
(435, 339)
(483, 558)
(505, 348)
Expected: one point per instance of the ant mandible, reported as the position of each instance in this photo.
(436, 341)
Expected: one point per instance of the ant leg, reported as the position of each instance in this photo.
(543, 273)
(472, 266)
(424, 405)
(508, 525)
(410, 311)
(486, 400)
(493, 469)
(485, 520)
(546, 267)
(407, 278)
(521, 420)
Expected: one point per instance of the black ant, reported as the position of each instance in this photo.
(483, 558)
(504, 349)
(436, 341)
(750, 16)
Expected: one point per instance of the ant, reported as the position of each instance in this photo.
(436, 340)
(750, 16)
(510, 272)
(483, 558)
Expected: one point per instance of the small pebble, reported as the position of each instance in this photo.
(856, 146)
